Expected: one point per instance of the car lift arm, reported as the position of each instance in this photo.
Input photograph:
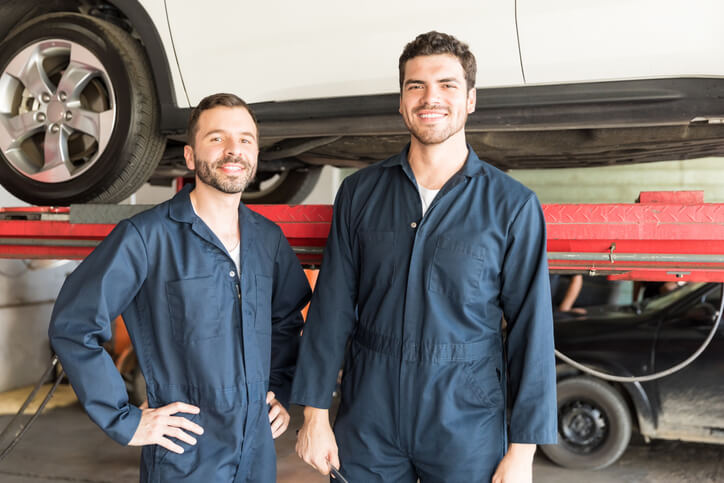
(666, 236)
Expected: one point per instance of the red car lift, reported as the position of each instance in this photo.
(664, 236)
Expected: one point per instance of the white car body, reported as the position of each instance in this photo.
(283, 50)
(560, 83)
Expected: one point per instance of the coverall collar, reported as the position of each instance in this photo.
(182, 211)
(473, 165)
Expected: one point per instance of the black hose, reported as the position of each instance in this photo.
(657, 375)
(24, 428)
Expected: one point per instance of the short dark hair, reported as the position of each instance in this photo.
(435, 43)
(210, 102)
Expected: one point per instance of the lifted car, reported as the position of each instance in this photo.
(95, 94)
(596, 417)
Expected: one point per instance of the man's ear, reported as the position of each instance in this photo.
(472, 99)
(189, 157)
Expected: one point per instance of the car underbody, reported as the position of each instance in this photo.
(533, 127)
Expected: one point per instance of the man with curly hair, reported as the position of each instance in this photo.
(429, 252)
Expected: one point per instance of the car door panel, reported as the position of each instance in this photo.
(692, 397)
(573, 41)
(274, 51)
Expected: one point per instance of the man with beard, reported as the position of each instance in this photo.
(428, 251)
(211, 295)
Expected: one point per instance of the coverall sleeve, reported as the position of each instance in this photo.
(331, 316)
(527, 308)
(91, 298)
(290, 294)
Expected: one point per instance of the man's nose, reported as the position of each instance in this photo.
(234, 147)
(432, 95)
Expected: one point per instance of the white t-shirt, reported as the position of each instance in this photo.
(236, 256)
(426, 196)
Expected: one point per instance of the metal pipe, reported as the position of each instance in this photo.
(296, 148)
(45, 242)
(636, 257)
(308, 250)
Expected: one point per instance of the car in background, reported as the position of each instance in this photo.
(95, 94)
(596, 417)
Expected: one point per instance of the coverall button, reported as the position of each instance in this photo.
(232, 273)
(413, 224)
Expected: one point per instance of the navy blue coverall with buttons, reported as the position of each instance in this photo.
(203, 334)
(428, 370)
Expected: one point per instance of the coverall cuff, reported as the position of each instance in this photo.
(533, 438)
(315, 402)
(127, 425)
(281, 393)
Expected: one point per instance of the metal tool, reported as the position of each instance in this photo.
(337, 475)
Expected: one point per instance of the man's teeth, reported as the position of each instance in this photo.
(431, 116)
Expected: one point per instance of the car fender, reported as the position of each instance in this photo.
(146, 17)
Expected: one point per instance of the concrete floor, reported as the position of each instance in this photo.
(64, 445)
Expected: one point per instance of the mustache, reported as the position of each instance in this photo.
(431, 107)
(233, 160)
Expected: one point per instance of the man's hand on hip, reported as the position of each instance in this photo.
(278, 416)
(159, 424)
(315, 442)
(517, 465)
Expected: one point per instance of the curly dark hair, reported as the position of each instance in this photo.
(216, 100)
(435, 43)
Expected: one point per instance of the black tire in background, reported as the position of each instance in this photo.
(125, 156)
(594, 424)
(288, 187)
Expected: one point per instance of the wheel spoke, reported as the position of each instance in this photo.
(98, 125)
(56, 167)
(85, 121)
(27, 67)
(15, 129)
(75, 78)
(81, 56)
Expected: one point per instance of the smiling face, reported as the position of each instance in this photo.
(225, 149)
(435, 101)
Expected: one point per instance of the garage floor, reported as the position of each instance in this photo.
(64, 445)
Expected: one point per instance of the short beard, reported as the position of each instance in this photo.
(208, 173)
(429, 137)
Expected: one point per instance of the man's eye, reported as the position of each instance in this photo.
(245, 141)
(216, 139)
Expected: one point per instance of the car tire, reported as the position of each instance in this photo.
(78, 115)
(594, 424)
(289, 187)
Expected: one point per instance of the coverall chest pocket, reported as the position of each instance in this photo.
(456, 269)
(194, 309)
(376, 250)
(262, 320)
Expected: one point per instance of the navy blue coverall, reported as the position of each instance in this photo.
(203, 334)
(422, 298)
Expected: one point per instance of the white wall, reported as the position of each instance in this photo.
(27, 293)
(622, 184)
